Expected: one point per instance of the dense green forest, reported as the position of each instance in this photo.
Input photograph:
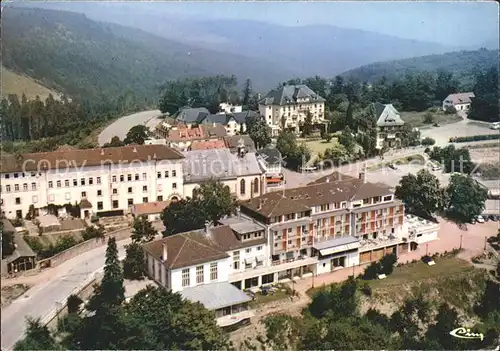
(79, 57)
(464, 65)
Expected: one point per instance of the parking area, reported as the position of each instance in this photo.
(443, 133)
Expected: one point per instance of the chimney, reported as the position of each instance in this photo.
(165, 253)
(260, 204)
(238, 212)
(328, 179)
(362, 174)
(102, 152)
(207, 227)
(135, 149)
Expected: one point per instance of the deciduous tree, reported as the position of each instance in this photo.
(465, 198)
(421, 193)
(136, 135)
(142, 230)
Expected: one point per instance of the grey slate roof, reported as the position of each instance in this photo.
(224, 118)
(270, 155)
(387, 115)
(289, 94)
(335, 242)
(202, 165)
(22, 249)
(191, 115)
(215, 295)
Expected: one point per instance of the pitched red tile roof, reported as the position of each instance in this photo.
(303, 198)
(148, 208)
(185, 249)
(87, 157)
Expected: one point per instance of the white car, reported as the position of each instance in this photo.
(480, 219)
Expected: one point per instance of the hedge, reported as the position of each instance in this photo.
(474, 138)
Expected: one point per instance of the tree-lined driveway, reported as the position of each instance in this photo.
(121, 126)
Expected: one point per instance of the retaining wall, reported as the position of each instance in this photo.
(81, 248)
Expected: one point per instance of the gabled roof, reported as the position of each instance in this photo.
(149, 208)
(225, 118)
(270, 155)
(226, 239)
(334, 177)
(232, 142)
(460, 98)
(22, 249)
(191, 115)
(387, 115)
(289, 94)
(185, 249)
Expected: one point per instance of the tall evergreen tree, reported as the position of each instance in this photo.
(111, 291)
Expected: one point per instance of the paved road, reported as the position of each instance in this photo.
(121, 126)
(41, 299)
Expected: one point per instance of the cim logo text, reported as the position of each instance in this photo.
(465, 333)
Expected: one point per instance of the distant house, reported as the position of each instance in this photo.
(225, 107)
(288, 106)
(271, 162)
(389, 126)
(234, 123)
(460, 101)
(232, 118)
(152, 210)
(234, 143)
(23, 258)
(183, 137)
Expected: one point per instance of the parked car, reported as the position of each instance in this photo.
(436, 124)
(392, 166)
(473, 221)
(493, 218)
(480, 219)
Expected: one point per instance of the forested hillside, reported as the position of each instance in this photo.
(72, 54)
(464, 65)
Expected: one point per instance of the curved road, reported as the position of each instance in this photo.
(41, 300)
(121, 126)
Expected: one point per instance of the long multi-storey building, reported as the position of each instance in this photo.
(336, 222)
(109, 179)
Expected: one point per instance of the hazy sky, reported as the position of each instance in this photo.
(472, 21)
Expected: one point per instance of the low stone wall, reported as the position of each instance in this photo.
(83, 247)
(84, 291)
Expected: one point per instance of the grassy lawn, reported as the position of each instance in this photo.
(416, 119)
(13, 83)
(412, 272)
(317, 146)
(263, 299)
(415, 273)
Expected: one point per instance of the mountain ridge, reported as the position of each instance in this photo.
(308, 50)
(463, 64)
